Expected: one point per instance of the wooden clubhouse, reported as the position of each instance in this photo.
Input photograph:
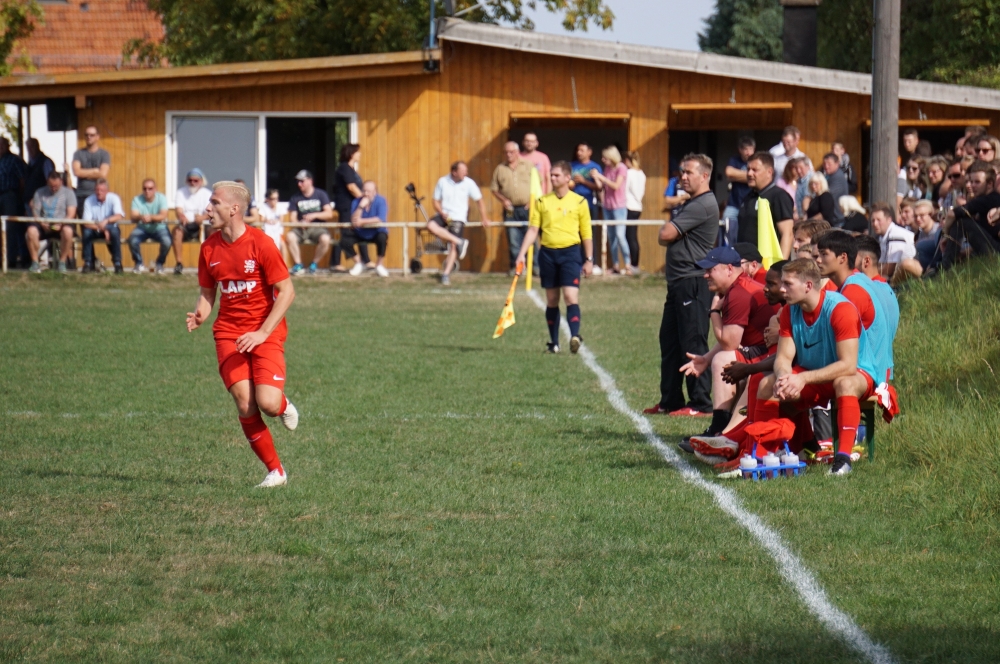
(415, 113)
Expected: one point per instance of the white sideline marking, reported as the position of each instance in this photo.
(790, 567)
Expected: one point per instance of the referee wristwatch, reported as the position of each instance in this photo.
(588, 259)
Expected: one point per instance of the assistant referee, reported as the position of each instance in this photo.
(563, 220)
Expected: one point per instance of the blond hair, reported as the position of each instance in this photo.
(612, 154)
(824, 187)
(237, 191)
(923, 205)
(805, 269)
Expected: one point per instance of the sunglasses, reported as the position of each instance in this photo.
(194, 180)
(954, 176)
(982, 150)
(913, 168)
(89, 135)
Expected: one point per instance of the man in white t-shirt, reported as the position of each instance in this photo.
(787, 149)
(451, 203)
(896, 242)
(191, 206)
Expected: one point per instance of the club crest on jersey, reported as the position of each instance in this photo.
(249, 266)
(239, 287)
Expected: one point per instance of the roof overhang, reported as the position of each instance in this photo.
(457, 30)
(34, 88)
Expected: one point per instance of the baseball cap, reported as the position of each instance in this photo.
(748, 251)
(196, 172)
(720, 256)
(303, 175)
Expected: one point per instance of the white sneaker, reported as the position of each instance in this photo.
(358, 268)
(597, 271)
(138, 269)
(463, 249)
(290, 418)
(381, 271)
(276, 477)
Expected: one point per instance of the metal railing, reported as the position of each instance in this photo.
(405, 244)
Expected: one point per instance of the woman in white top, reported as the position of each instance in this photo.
(635, 191)
(272, 220)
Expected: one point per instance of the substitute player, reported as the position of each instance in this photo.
(562, 217)
(250, 330)
(823, 354)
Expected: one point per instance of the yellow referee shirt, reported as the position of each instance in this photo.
(563, 222)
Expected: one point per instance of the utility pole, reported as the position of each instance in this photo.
(885, 103)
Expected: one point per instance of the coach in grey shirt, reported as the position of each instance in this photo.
(689, 236)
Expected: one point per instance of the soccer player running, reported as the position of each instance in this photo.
(250, 329)
(562, 217)
(823, 354)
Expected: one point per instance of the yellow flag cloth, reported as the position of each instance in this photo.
(767, 238)
(507, 315)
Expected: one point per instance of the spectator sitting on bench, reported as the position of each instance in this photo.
(192, 209)
(104, 210)
(366, 213)
(53, 201)
(268, 214)
(310, 205)
(149, 212)
(896, 242)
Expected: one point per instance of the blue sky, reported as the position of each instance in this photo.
(666, 23)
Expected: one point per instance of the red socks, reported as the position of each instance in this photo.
(848, 419)
(767, 409)
(284, 405)
(261, 442)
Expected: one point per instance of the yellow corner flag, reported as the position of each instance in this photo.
(767, 238)
(507, 315)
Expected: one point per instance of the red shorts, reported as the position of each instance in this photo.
(820, 394)
(264, 365)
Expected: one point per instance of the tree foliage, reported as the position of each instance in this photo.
(17, 21)
(744, 28)
(214, 31)
(952, 41)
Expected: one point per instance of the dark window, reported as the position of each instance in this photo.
(294, 143)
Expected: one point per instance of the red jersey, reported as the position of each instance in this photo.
(862, 301)
(761, 276)
(844, 320)
(746, 305)
(245, 272)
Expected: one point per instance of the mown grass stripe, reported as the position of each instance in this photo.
(790, 567)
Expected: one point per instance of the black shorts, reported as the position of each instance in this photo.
(51, 234)
(192, 230)
(560, 267)
(456, 228)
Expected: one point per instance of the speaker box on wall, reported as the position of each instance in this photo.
(61, 114)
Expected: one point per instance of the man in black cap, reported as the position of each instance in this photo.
(740, 321)
(688, 236)
(752, 262)
(310, 205)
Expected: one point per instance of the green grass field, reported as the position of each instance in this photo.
(453, 498)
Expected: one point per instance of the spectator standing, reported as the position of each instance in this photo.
(149, 212)
(368, 217)
(511, 185)
(736, 173)
(347, 185)
(855, 215)
(13, 171)
(191, 208)
(896, 242)
(939, 186)
(103, 210)
(612, 182)
(760, 177)
(844, 159)
(90, 164)
(821, 203)
(911, 139)
(635, 191)
(836, 182)
(803, 168)
(987, 148)
(787, 149)
(53, 201)
(39, 167)
(539, 160)
(271, 218)
(674, 195)
(451, 202)
(688, 236)
(789, 180)
(584, 185)
(310, 206)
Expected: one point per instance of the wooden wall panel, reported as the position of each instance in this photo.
(412, 128)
